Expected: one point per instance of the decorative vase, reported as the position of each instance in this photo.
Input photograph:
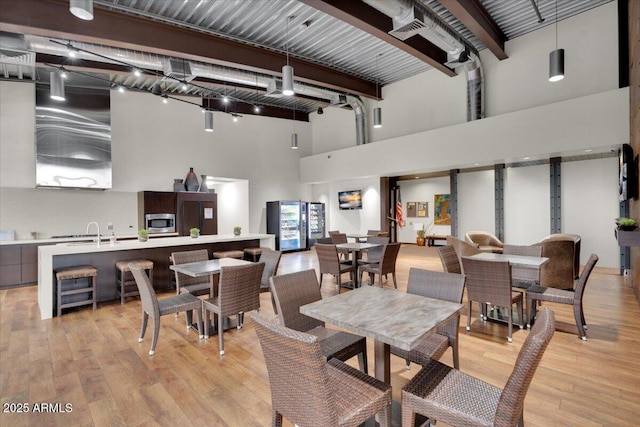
(420, 241)
(143, 238)
(191, 181)
(194, 235)
(178, 185)
(237, 231)
(204, 188)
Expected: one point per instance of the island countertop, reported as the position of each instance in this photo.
(49, 256)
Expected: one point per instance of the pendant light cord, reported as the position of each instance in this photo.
(556, 24)
(287, 40)
(377, 79)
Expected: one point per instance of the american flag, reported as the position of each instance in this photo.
(399, 217)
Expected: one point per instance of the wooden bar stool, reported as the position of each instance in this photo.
(126, 283)
(88, 272)
(229, 254)
(253, 253)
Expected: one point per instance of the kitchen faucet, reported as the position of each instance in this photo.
(97, 227)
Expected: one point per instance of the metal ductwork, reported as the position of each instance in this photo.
(409, 20)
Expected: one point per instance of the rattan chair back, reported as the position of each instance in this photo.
(375, 254)
(337, 238)
(184, 281)
(290, 291)
(488, 281)
(450, 261)
(147, 293)
(524, 277)
(271, 260)
(462, 248)
(584, 277)
(239, 288)
(328, 260)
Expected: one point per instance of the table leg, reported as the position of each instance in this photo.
(382, 361)
(355, 269)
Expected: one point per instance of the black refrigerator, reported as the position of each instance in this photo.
(287, 220)
(315, 222)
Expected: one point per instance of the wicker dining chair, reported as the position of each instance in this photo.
(309, 391)
(338, 238)
(329, 263)
(489, 282)
(238, 292)
(522, 277)
(291, 291)
(443, 286)
(450, 261)
(374, 255)
(462, 248)
(155, 308)
(193, 285)
(386, 265)
(452, 397)
(271, 261)
(536, 294)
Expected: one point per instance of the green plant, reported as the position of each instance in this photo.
(194, 230)
(237, 229)
(143, 233)
(422, 232)
(626, 222)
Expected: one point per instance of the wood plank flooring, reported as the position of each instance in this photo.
(92, 362)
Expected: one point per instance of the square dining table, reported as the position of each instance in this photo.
(209, 268)
(356, 248)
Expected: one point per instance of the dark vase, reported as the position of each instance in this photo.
(191, 181)
(178, 185)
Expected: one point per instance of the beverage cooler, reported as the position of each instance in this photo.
(288, 221)
(316, 222)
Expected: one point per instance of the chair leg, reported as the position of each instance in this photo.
(276, 419)
(384, 416)
(456, 354)
(577, 313)
(221, 333)
(199, 319)
(521, 314)
(393, 276)
(582, 320)
(531, 309)
(469, 316)
(362, 361)
(143, 328)
(207, 323)
(156, 332)
(510, 315)
(240, 320)
(408, 416)
(59, 298)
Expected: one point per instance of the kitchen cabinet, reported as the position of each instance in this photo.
(19, 265)
(155, 202)
(199, 210)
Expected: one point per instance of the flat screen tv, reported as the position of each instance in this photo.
(628, 173)
(350, 199)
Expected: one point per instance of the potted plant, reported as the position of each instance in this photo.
(421, 232)
(194, 232)
(626, 224)
(143, 235)
(237, 230)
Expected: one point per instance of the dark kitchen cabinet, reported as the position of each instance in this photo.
(155, 202)
(198, 210)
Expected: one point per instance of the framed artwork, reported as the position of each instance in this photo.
(411, 209)
(423, 209)
(441, 209)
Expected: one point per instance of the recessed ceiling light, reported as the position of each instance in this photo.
(527, 158)
(476, 164)
(588, 151)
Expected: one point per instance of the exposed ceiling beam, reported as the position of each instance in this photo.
(376, 23)
(51, 18)
(476, 18)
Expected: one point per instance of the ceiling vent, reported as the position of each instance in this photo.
(274, 89)
(178, 69)
(415, 21)
(339, 100)
(14, 55)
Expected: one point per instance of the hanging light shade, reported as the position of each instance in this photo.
(556, 65)
(287, 80)
(83, 9)
(294, 141)
(57, 86)
(208, 121)
(377, 117)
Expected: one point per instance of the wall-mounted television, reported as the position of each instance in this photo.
(628, 173)
(350, 199)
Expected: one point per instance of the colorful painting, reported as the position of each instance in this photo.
(442, 210)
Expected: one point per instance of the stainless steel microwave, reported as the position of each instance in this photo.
(160, 223)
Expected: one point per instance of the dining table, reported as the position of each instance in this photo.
(389, 317)
(360, 238)
(356, 249)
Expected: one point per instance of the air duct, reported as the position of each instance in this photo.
(410, 20)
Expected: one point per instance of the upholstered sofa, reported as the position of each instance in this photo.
(485, 242)
(563, 251)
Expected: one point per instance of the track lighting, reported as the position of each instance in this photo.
(83, 9)
(225, 99)
(235, 116)
(57, 86)
(137, 72)
(256, 109)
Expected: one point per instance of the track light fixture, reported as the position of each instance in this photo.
(377, 111)
(320, 111)
(556, 58)
(82, 9)
(287, 70)
(57, 86)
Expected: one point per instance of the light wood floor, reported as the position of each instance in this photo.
(93, 361)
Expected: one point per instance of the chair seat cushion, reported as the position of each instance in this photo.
(76, 272)
(542, 293)
(123, 266)
(431, 347)
(178, 303)
(439, 391)
(229, 254)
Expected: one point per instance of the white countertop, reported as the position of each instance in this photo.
(78, 239)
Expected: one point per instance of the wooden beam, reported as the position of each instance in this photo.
(51, 18)
(369, 19)
(476, 18)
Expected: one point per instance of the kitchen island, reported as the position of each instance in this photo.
(104, 256)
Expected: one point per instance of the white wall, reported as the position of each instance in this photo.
(476, 202)
(526, 204)
(152, 143)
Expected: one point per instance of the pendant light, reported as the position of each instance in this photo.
(287, 70)
(82, 9)
(377, 111)
(294, 135)
(556, 58)
(57, 86)
(208, 118)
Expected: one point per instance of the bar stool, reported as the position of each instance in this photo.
(229, 254)
(74, 288)
(254, 253)
(126, 283)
